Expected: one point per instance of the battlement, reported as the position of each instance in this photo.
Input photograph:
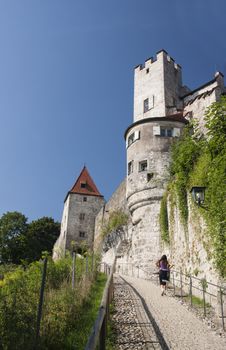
(157, 87)
(161, 56)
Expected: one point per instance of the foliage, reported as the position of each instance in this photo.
(201, 161)
(13, 230)
(215, 120)
(117, 219)
(23, 242)
(41, 236)
(184, 155)
(67, 316)
(163, 219)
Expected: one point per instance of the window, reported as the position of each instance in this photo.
(147, 70)
(81, 216)
(143, 165)
(133, 137)
(84, 199)
(130, 139)
(82, 234)
(149, 176)
(130, 167)
(146, 105)
(166, 132)
(83, 184)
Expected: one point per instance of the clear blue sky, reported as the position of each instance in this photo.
(66, 86)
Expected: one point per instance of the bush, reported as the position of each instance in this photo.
(62, 317)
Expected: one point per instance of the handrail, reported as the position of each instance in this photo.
(191, 284)
(100, 326)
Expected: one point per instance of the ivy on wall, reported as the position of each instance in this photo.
(163, 219)
(199, 160)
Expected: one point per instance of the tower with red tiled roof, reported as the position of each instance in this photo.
(81, 205)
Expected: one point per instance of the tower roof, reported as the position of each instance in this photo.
(84, 185)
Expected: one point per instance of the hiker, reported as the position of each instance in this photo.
(164, 270)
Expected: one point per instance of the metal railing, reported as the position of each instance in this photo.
(186, 285)
(99, 331)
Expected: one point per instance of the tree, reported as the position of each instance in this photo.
(22, 241)
(13, 230)
(41, 236)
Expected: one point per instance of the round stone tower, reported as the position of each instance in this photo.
(158, 119)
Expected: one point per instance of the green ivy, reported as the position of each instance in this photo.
(185, 152)
(201, 161)
(116, 220)
(163, 219)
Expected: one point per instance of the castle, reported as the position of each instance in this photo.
(162, 107)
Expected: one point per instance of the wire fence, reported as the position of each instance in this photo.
(38, 300)
(199, 292)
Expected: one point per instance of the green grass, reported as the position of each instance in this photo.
(79, 336)
(110, 343)
(198, 302)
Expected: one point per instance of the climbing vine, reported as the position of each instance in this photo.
(117, 219)
(199, 160)
(184, 156)
(163, 219)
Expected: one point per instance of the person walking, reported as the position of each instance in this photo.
(164, 269)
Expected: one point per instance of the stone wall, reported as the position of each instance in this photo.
(78, 217)
(196, 103)
(116, 202)
(191, 247)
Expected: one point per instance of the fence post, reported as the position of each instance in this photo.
(181, 293)
(190, 288)
(41, 298)
(73, 269)
(174, 288)
(222, 308)
(92, 262)
(87, 267)
(203, 281)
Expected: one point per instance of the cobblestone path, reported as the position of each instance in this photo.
(134, 327)
(146, 320)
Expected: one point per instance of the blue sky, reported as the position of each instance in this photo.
(66, 86)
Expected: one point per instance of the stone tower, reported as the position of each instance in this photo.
(158, 118)
(81, 205)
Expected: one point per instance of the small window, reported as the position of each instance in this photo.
(146, 105)
(149, 176)
(82, 234)
(130, 139)
(147, 70)
(133, 137)
(81, 216)
(84, 199)
(83, 184)
(143, 165)
(166, 132)
(130, 167)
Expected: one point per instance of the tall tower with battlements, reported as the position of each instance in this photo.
(157, 120)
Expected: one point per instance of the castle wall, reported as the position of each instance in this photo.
(191, 247)
(116, 202)
(78, 222)
(145, 187)
(197, 102)
(75, 224)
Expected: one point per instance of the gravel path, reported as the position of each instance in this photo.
(180, 328)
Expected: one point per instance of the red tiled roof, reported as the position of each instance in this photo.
(85, 185)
